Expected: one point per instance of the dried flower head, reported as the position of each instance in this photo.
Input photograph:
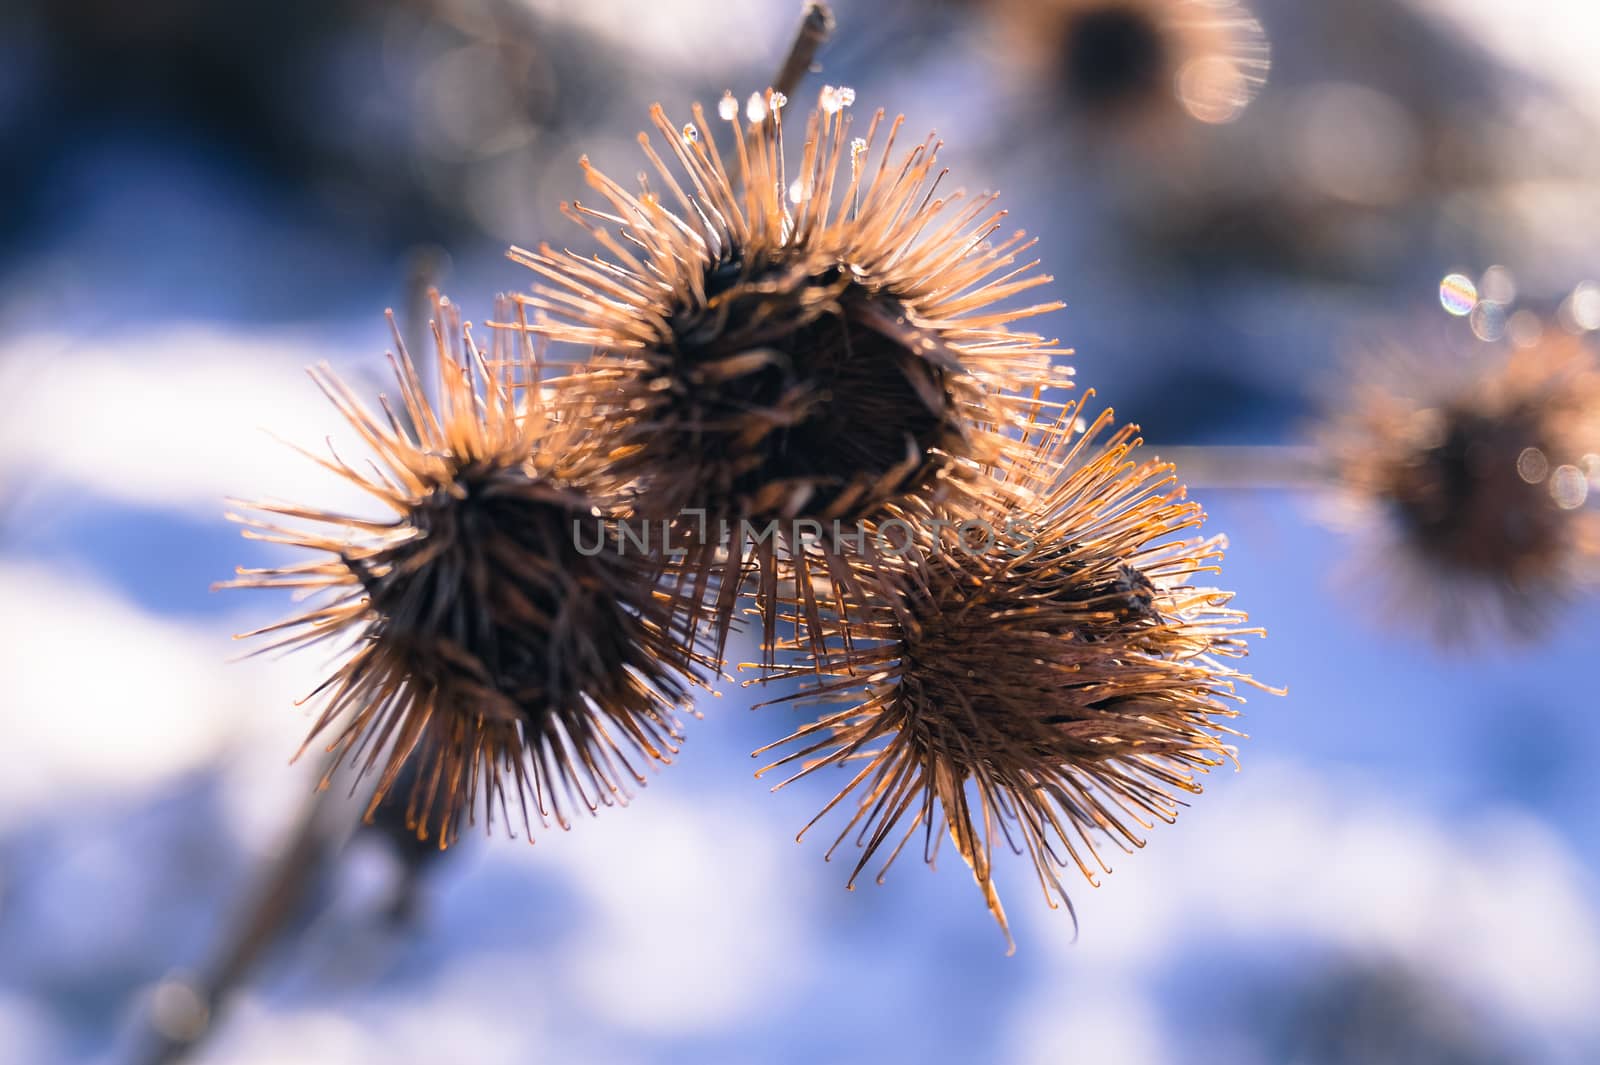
(785, 345)
(1479, 474)
(1049, 674)
(1143, 59)
(488, 650)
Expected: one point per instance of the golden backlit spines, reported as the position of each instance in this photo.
(483, 642)
(884, 232)
(1059, 688)
(775, 344)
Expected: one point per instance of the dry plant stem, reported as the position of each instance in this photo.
(1266, 466)
(816, 26)
(278, 893)
(425, 265)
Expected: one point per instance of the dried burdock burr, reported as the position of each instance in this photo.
(1050, 674)
(1140, 61)
(1472, 478)
(782, 341)
(489, 649)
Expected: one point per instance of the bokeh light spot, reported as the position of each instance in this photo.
(1458, 295)
(1532, 466)
(1569, 487)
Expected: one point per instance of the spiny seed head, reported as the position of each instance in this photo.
(488, 653)
(1144, 59)
(777, 339)
(1047, 672)
(1480, 483)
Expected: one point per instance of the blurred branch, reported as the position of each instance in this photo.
(426, 266)
(1271, 466)
(184, 1011)
(816, 26)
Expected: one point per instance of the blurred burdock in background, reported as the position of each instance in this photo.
(1355, 165)
(1064, 672)
(1476, 468)
(1379, 1012)
(394, 123)
(487, 647)
(1132, 66)
(785, 340)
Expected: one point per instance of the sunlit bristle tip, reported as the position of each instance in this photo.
(492, 653)
(835, 98)
(1050, 677)
(1477, 483)
(808, 336)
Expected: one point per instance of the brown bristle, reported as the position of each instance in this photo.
(811, 344)
(786, 393)
(491, 652)
(1060, 685)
